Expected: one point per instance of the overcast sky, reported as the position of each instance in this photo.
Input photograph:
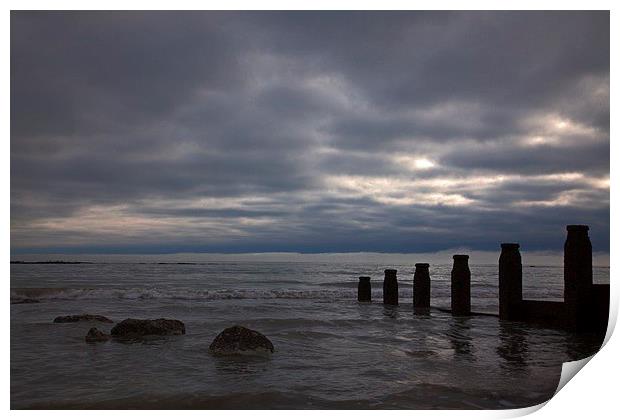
(307, 132)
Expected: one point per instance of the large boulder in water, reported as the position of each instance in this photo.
(94, 336)
(132, 328)
(240, 340)
(83, 317)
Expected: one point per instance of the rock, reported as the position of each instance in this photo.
(94, 336)
(131, 328)
(26, 300)
(83, 317)
(240, 340)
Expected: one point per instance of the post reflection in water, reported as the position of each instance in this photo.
(391, 311)
(582, 345)
(513, 347)
(459, 334)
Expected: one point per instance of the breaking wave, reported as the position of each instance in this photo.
(45, 294)
(151, 293)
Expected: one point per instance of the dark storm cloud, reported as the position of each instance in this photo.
(590, 158)
(82, 71)
(307, 131)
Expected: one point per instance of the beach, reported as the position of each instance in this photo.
(330, 350)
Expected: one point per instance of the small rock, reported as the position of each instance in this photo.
(26, 300)
(94, 336)
(130, 328)
(82, 317)
(240, 340)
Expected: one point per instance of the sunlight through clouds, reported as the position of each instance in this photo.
(268, 131)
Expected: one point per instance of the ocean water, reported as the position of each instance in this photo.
(331, 351)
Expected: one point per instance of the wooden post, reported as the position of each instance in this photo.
(510, 282)
(364, 290)
(390, 288)
(461, 288)
(421, 289)
(578, 277)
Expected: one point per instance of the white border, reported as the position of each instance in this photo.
(593, 394)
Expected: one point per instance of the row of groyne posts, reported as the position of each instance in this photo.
(585, 307)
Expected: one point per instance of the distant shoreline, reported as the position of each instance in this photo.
(51, 262)
(537, 258)
(60, 262)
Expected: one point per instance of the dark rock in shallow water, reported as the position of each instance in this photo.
(26, 300)
(83, 317)
(240, 340)
(94, 335)
(131, 328)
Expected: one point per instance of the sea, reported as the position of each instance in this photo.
(331, 352)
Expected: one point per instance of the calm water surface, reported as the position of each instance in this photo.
(331, 352)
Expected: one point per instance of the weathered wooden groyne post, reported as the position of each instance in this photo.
(390, 288)
(364, 291)
(421, 289)
(510, 282)
(578, 277)
(461, 285)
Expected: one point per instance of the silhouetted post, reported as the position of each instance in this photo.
(364, 290)
(390, 288)
(421, 289)
(578, 276)
(461, 286)
(510, 282)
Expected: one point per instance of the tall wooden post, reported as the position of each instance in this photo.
(421, 289)
(510, 282)
(578, 277)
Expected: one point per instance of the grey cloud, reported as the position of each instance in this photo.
(141, 113)
(589, 158)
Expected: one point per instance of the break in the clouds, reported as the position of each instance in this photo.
(307, 131)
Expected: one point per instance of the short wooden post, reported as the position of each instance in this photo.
(364, 290)
(461, 286)
(390, 288)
